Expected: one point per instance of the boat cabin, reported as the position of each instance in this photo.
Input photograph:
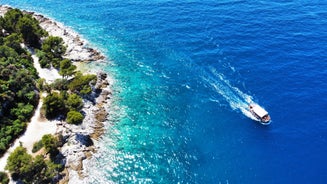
(260, 113)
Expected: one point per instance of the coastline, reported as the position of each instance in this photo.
(79, 141)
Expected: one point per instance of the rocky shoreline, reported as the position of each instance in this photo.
(78, 142)
(77, 49)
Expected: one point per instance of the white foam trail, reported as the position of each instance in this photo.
(237, 99)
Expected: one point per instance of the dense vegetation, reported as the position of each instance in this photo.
(18, 91)
(51, 52)
(14, 21)
(50, 143)
(64, 100)
(18, 87)
(19, 94)
(29, 169)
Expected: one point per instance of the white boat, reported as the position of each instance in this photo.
(260, 113)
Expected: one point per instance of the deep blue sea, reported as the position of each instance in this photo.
(184, 74)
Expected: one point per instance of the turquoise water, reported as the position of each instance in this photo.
(184, 73)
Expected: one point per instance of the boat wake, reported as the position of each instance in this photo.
(237, 99)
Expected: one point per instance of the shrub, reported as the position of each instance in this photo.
(60, 84)
(54, 105)
(22, 166)
(17, 22)
(74, 117)
(66, 68)
(37, 146)
(74, 102)
(4, 178)
(18, 161)
(54, 47)
(44, 60)
(40, 84)
(81, 83)
(50, 143)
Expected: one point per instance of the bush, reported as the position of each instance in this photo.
(4, 178)
(44, 60)
(50, 143)
(19, 161)
(22, 166)
(60, 84)
(74, 117)
(74, 102)
(54, 105)
(54, 47)
(40, 84)
(66, 68)
(37, 146)
(17, 22)
(81, 84)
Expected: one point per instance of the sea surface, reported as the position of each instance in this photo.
(184, 74)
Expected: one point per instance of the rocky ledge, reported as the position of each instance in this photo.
(77, 49)
(78, 140)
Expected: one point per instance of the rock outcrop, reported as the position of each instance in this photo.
(78, 140)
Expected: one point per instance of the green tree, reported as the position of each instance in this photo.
(11, 18)
(18, 161)
(40, 84)
(74, 117)
(30, 29)
(4, 178)
(44, 59)
(36, 171)
(74, 102)
(23, 111)
(2, 27)
(18, 92)
(60, 84)
(54, 45)
(13, 41)
(66, 68)
(54, 48)
(54, 105)
(51, 171)
(15, 21)
(7, 52)
(18, 127)
(81, 83)
(50, 143)
(23, 166)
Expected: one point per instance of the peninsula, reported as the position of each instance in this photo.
(51, 113)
